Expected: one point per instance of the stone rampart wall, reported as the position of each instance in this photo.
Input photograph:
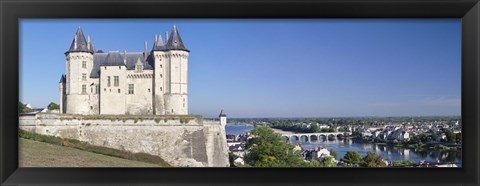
(181, 142)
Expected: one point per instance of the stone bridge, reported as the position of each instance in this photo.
(315, 137)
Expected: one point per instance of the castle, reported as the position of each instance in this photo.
(151, 82)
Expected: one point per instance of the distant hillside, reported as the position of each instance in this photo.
(39, 154)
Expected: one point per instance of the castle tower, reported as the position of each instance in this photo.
(79, 59)
(171, 68)
(223, 118)
(62, 94)
(159, 57)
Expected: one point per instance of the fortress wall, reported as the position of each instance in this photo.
(141, 101)
(78, 104)
(176, 104)
(194, 144)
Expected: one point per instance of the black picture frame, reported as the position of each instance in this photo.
(12, 11)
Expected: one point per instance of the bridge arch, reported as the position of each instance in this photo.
(340, 136)
(331, 137)
(323, 137)
(304, 138)
(294, 138)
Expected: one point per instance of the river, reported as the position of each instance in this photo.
(388, 153)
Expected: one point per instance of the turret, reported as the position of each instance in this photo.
(171, 74)
(223, 118)
(159, 58)
(176, 74)
(62, 93)
(79, 58)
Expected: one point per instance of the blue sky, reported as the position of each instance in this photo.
(276, 68)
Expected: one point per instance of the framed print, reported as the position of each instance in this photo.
(236, 93)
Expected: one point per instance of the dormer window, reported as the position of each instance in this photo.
(139, 68)
(139, 65)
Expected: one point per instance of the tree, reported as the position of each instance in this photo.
(334, 154)
(22, 108)
(53, 106)
(266, 149)
(373, 160)
(423, 137)
(458, 136)
(314, 127)
(400, 163)
(352, 158)
(328, 162)
(451, 138)
(434, 136)
(230, 159)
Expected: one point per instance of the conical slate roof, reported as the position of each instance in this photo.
(222, 114)
(81, 44)
(158, 44)
(175, 41)
(62, 79)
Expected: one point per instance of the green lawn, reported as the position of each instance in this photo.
(39, 154)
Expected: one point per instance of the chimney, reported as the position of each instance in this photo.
(145, 52)
(88, 43)
(125, 57)
(166, 36)
(75, 45)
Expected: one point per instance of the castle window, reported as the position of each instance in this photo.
(130, 88)
(160, 88)
(160, 65)
(97, 89)
(84, 89)
(116, 82)
(161, 75)
(148, 90)
(108, 81)
(84, 64)
(84, 77)
(118, 90)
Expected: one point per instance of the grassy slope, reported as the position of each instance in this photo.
(39, 154)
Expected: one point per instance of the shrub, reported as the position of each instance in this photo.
(184, 120)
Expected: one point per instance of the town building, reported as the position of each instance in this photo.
(152, 82)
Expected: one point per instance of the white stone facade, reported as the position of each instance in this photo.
(126, 83)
